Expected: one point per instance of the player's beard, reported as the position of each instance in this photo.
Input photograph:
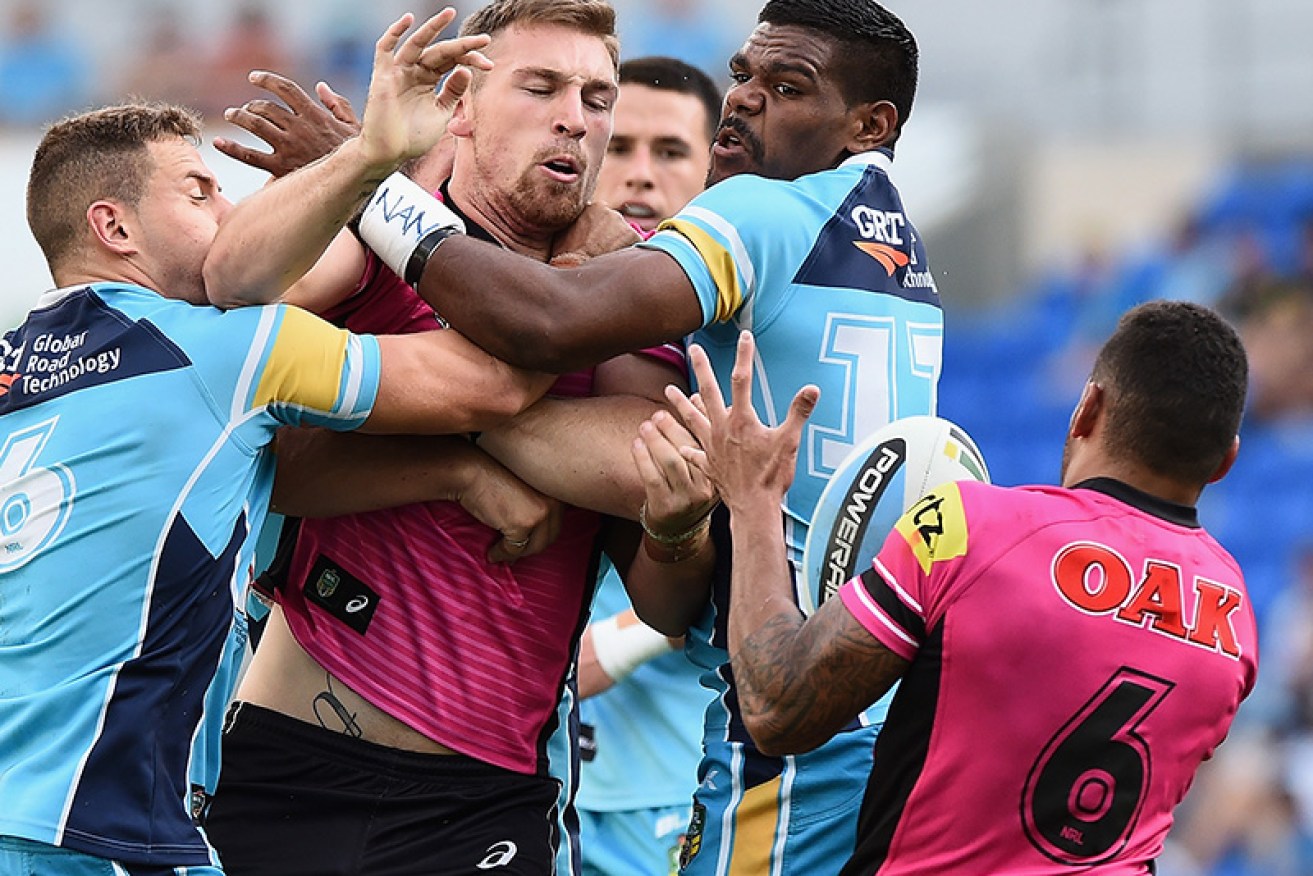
(546, 203)
(535, 199)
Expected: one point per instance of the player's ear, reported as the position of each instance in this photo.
(461, 125)
(111, 227)
(1088, 410)
(874, 125)
(1227, 461)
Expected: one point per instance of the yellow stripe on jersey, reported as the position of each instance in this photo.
(935, 528)
(755, 822)
(305, 365)
(719, 261)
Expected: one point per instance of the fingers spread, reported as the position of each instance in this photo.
(339, 105)
(740, 379)
(245, 154)
(281, 87)
(693, 415)
(392, 36)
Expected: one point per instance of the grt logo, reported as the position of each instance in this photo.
(1097, 580)
(879, 225)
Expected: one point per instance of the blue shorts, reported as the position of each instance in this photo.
(20, 857)
(802, 821)
(623, 843)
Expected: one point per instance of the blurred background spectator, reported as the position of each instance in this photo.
(42, 73)
(1065, 160)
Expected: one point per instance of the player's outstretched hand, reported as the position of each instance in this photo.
(403, 116)
(298, 128)
(677, 495)
(597, 231)
(748, 461)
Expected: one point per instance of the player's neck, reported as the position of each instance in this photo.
(1139, 477)
(499, 220)
(101, 271)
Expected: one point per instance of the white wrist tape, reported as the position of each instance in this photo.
(403, 223)
(623, 643)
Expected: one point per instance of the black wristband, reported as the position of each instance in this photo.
(420, 256)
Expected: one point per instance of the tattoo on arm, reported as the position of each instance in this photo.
(327, 701)
(803, 682)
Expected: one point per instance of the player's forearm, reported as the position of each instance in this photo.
(799, 680)
(764, 624)
(273, 237)
(557, 319)
(669, 587)
(591, 678)
(438, 382)
(326, 474)
(577, 450)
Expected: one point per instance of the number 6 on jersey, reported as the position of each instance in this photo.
(34, 502)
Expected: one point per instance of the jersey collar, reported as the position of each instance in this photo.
(881, 158)
(1181, 515)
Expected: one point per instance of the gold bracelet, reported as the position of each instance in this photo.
(670, 554)
(680, 537)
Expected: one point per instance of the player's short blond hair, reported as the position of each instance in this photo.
(592, 17)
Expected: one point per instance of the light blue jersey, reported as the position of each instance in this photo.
(646, 741)
(134, 475)
(831, 277)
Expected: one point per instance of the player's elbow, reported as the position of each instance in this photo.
(225, 284)
(775, 733)
(518, 390)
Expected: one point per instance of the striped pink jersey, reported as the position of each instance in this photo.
(1076, 653)
(404, 607)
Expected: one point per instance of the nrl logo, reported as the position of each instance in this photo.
(326, 586)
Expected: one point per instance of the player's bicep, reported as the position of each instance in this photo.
(313, 373)
(334, 278)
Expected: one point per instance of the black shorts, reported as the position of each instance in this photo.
(297, 799)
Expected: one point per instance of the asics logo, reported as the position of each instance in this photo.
(356, 604)
(498, 855)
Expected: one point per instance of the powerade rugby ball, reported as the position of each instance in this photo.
(870, 490)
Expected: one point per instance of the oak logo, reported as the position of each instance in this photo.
(1097, 580)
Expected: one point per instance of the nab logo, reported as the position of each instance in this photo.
(498, 855)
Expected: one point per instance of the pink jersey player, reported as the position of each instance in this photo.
(474, 653)
(1132, 637)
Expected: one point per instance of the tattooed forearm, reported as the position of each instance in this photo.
(800, 683)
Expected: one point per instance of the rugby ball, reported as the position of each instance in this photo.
(879, 479)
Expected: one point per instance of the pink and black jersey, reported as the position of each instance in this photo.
(403, 606)
(1075, 654)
